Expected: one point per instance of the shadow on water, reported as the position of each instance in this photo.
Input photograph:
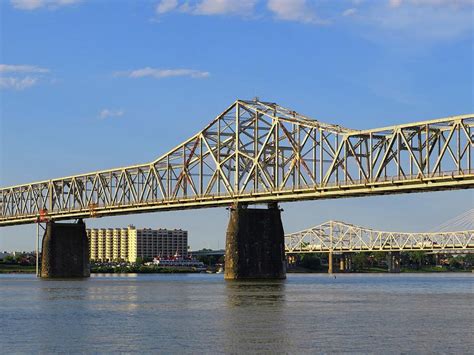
(255, 317)
(255, 293)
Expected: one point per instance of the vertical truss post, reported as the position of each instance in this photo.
(237, 146)
(277, 154)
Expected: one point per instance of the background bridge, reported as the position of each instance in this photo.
(260, 152)
(334, 236)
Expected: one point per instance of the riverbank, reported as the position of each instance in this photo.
(30, 269)
(142, 269)
(17, 269)
(373, 270)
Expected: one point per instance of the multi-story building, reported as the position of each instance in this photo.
(128, 244)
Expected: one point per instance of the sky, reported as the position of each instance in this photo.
(88, 85)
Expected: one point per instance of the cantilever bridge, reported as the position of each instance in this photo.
(260, 152)
(334, 236)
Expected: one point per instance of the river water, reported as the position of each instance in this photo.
(201, 313)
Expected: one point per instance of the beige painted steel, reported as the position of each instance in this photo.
(260, 152)
(334, 236)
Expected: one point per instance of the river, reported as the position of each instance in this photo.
(201, 313)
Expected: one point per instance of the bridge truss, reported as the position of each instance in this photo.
(334, 236)
(259, 152)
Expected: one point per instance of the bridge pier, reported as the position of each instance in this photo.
(330, 263)
(255, 244)
(65, 252)
(393, 261)
(345, 262)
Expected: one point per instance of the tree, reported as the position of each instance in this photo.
(378, 258)
(418, 257)
(311, 261)
(360, 261)
(454, 263)
(9, 259)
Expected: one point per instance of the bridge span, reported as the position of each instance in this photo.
(260, 152)
(254, 152)
(335, 236)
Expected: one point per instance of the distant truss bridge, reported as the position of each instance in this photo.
(334, 236)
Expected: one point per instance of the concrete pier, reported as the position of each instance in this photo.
(330, 263)
(255, 244)
(393, 261)
(65, 252)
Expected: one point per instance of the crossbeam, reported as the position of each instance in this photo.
(260, 152)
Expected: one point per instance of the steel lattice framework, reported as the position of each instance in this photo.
(259, 152)
(334, 236)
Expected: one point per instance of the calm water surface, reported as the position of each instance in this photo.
(200, 313)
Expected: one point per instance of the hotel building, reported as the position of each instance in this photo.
(128, 244)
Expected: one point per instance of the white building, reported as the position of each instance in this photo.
(128, 244)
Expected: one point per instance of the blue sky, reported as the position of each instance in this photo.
(87, 85)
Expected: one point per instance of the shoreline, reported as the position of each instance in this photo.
(14, 269)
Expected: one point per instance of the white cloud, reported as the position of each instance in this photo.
(106, 113)
(432, 3)
(208, 7)
(163, 73)
(224, 7)
(17, 83)
(19, 77)
(349, 12)
(8, 68)
(294, 10)
(30, 5)
(166, 6)
(395, 3)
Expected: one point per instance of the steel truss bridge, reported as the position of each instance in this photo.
(334, 236)
(260, 152)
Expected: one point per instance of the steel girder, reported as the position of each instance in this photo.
(259, 152)
(334, 236)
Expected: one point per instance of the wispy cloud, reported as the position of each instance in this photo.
(428, 20)
(224, 7)
(17, 83)
(7, 68)
(208, 7)
(163, 73)
(410, 20)
(349, 12)
(30, 5)
(107, 113)
(19, 77)
(165, 6)
(436, 3)
(294, 10)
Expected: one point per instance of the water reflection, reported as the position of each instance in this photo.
(255, 293)
(254, 319)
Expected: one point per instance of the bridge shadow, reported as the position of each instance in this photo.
(255, 319)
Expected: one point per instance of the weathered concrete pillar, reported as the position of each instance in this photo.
(393, 261)
(255, 244)
(330, 263)
(65, 251)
